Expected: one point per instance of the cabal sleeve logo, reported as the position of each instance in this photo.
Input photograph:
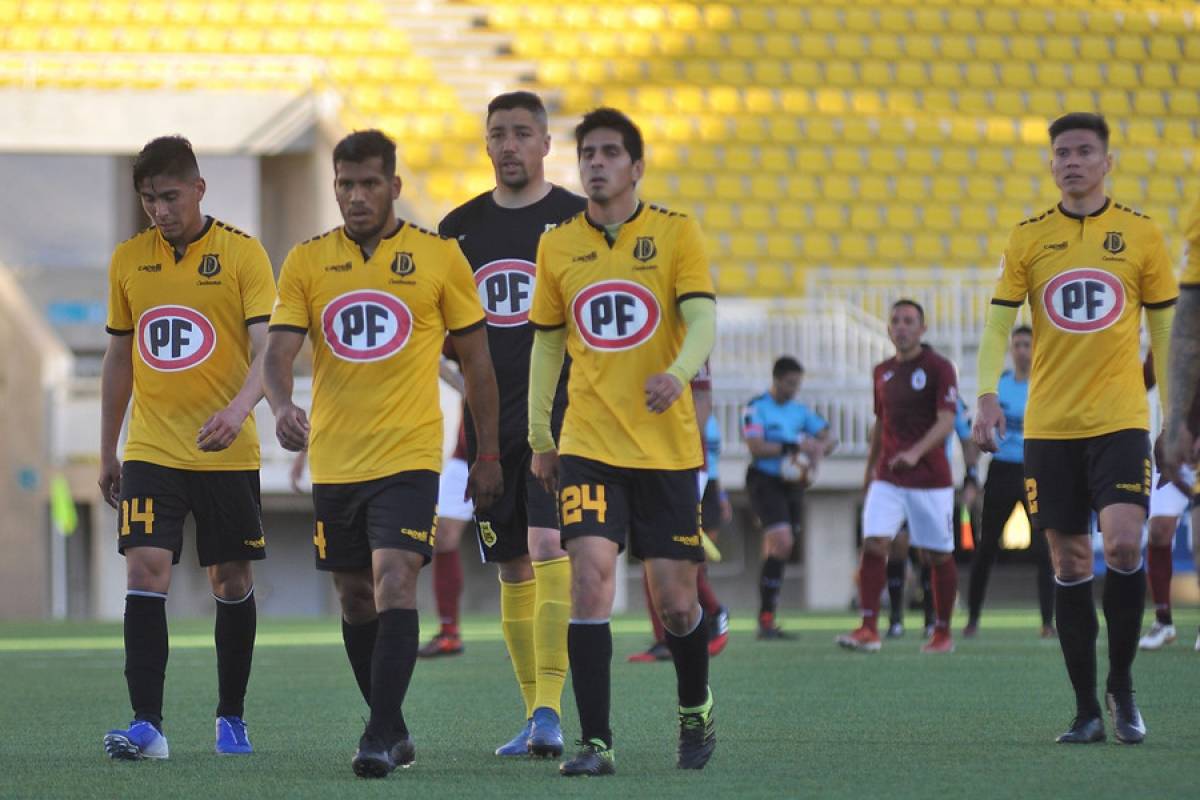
(366, 325)
(616, 315)
(174, 338)
(1084, 300)
(505, 288)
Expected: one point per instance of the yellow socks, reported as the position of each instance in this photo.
(517, 622)
(551, 616)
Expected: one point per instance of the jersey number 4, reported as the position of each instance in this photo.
(577, 499)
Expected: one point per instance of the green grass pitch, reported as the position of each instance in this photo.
(794, 719)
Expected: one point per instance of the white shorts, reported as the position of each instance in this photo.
(1168, 501)
(928, 512)
(451, 488)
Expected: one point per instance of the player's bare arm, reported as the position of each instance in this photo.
(485, 483)
(1179, 445)
(291, 423)
(934, 437)
(219, 431)
(873, 448)
(116, 387)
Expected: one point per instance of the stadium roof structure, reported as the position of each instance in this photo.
(218, 123)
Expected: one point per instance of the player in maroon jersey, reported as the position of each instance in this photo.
(908, 479)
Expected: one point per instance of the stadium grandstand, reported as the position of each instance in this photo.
(837, 154)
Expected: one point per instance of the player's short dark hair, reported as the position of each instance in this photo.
(908, 301)
(1080, 121)
(606, 117)
(361, 145)
(166, 156)
(1025, 329)
(526, 100)
(786, 365)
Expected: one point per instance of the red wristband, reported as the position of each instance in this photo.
(487, 457)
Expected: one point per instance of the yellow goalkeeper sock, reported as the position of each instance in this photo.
(551, 617)
(516, 620)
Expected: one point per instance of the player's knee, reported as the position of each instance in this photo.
(679, 617)
(356, 594)
(1162, 530)
(517, 570)
(1122, 553)
(231, 581)
(879, 547)
(395, 589)
(146, 574)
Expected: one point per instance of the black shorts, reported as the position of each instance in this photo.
(1065, 479)
(503, 529)
(225, 503)
(353, 519)
(710, 506)
(658, 508)
(773, 500)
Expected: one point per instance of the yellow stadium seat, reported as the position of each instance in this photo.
(1060, 48)
(744, 245)
(696, 71)
(840, 73)
(831, 101)
(759, 100)
(1114, 102)
(982, 75)
(1179, 132)
(1025, 48)
(1030, 160)
(1170, 161)
(751, 129)
(902, 218)
(821, 129)
(1001, 131)
(911, 188)
(1051, 75)
(1017, 188)
(766, 187)
(999, 20)
(874, 188)
(1163, 189)
(911, 74)
(801, 186)
(856, 248)
(1129, 48)
(876, 73)
(859, 20)
(769, 72)
(920, 160)
(892, 247)
(1044, 103)
(718, 99)
(784, 129)
(992, 48)
(947, 188)
(778, 44)
(991, 160)
(957, 160)
(1133, 161)
(1128, 189)
(857, 130)
(824, 19)
(966, 248)
(1157, 75)
(925, 48)
(829, 216)
(1121, 75)
(1188, 75)
(756, 216)
(795, 101)
(929, 246)
(791, 216)
(838, 187)
(1149, 103)
(849, 46)
(938, 217)
(693, 187)
(655, 184)
(1016, 74)
(1095, 48)
(1164, 48)
(928, 19)
(774, 158)
(866, 218)
(729, 186)
(781, 245)
(847, 159)
(772, 279)
(733, 279)
(703, 158)
(975, 218)
(1033, 20)
(982, 188)
(1009, 102)
(741, 45)
(894, 20)
(813, 45)
(683, 17)
(712, 128)
(946, 74)
(740, 158)
(901, 101)
(1076, 98)
(817, 247)
(733, 71)
(883, 160)
(1141, 132)
(805, 72)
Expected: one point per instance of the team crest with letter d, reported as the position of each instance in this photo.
(403, 264)
(644, 249)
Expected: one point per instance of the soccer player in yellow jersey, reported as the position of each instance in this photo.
(1180, 442)
(625, 289)
(188, 304)
(378, 295)
(1088, 267)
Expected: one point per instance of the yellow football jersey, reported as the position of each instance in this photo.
(1191, 232)
(377, 327)
(1086, 280)
(620, 304)
(191, 346)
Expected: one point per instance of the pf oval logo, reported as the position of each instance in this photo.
(505, 288)
(174, 338)
(616, 315)
(366, 325)
(1084, 300)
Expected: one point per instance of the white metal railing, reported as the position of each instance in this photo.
(955, 300)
